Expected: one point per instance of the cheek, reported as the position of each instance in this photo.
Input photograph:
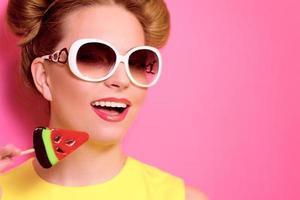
(138, 98)
(65, 87)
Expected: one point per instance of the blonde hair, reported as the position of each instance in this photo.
(39, 24)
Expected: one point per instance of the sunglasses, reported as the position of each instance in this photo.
(96, 60)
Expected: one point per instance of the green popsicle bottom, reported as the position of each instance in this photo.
(46, 135)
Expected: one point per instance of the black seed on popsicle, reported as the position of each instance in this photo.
(70, 142)
(57, 139)
(59, 150)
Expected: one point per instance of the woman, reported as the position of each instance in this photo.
(73, 55)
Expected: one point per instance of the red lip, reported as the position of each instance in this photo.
(112, 117)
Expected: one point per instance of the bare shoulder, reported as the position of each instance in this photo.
(194, 194)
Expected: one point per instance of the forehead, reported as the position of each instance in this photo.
(111, 23)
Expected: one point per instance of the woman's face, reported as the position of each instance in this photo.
(72, 98)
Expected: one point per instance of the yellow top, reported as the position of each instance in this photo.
(136, 181)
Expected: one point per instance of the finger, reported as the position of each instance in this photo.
(16, 152)
(4, 164)
(9, 151)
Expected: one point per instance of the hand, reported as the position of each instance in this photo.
(7, 153)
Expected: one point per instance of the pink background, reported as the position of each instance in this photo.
(225, 115)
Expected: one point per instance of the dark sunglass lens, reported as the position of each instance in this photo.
(144, 65)
(95, 60)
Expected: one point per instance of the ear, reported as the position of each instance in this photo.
(41, 78)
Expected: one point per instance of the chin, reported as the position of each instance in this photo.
(107, 136)
(104, 141)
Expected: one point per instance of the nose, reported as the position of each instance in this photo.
(119, 79)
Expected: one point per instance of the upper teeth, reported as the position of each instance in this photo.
(109, 104)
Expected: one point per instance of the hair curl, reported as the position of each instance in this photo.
(39, 24)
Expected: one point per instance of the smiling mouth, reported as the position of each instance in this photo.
(111, 109)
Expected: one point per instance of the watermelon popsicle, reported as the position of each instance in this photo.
(53, 145)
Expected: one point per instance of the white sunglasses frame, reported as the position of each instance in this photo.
(72, 61)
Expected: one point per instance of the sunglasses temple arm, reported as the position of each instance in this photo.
(47, 57)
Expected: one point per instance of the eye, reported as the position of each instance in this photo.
(90, 57)
(96, 54)
(135, 63)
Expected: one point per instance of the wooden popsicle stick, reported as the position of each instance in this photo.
(28, 151)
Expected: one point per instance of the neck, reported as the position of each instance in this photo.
(88, 165)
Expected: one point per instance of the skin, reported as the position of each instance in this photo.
(71, 97)
(70, 100)
(7, 154)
